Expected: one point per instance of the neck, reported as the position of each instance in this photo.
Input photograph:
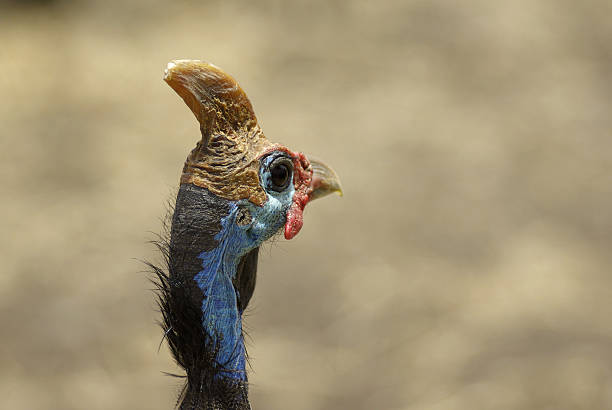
(210, 281)
(221, 317)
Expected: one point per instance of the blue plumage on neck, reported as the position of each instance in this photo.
(220, 315)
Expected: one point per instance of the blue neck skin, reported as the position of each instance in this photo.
(220, 315)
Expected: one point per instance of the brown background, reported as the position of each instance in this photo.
(466, 267)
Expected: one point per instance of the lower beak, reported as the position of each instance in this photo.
(325, 181)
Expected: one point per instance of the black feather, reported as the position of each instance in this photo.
(196, 219)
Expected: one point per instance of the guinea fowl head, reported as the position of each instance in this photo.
(237, 190)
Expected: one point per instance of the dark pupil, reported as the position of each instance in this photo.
(280, 175)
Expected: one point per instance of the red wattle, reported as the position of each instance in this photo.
(302, 179)
(295, 220)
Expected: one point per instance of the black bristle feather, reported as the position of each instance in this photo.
(195, 222)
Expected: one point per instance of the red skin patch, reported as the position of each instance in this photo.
(302, 181)
(302, 178)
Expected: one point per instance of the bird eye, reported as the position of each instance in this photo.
(280, 173)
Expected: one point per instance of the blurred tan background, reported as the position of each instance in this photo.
(467, 266)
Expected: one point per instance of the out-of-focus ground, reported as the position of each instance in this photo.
(468, 265)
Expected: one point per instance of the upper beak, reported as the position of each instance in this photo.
(325, 181)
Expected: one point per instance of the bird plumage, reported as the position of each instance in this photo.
(237, 190)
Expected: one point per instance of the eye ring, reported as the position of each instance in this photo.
(280, 173)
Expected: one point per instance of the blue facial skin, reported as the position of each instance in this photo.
(220, 315)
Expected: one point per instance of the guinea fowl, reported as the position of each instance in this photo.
(237, 190)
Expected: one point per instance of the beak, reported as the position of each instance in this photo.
(325, 181)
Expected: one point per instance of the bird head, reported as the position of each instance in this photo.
(235, 161)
